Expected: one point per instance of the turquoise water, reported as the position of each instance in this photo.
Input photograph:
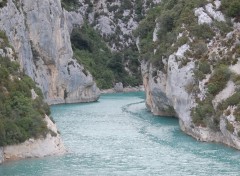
(117, 136)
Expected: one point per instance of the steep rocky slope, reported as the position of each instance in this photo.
(190, 66)
(116, 20)
(114, 58)
(25, 127)
(39, 31)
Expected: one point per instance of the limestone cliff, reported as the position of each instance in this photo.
(39, 31)
(196, 77)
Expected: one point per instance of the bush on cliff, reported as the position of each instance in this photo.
(3, 3)
(231, 7)
(171, 16)
(219, 79)
(21, 117)
(70, 5)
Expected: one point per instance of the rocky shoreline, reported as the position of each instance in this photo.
(119, 88)
(35, 148)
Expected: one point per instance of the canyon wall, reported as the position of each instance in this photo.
(39, 31)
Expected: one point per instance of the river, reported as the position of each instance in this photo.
(118, 136)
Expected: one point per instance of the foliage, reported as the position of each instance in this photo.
(106, 67)
(20, 116)
(237, 113)
(219, 79)
(204, 67)
(70, 5)
(224, 27)
(170, 15)
(197, 31)
(231, 7)
(202, 113)
(3, 3)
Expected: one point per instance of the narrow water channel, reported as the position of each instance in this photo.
(118, 136)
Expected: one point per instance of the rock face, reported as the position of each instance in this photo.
(39, 31)
(118, 87)
(116, 20)
(173, 87)
(167, 95)
(35, 148)
(165, 92)
(1, 155)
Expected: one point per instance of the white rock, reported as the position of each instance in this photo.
(1, 155)
(217, 4)
(202, 16)
(105, 25)
(236, 68)
(118, 87)
(202, 89)
(217, 15)
(181, 50)
(155, 32)
(34, 95)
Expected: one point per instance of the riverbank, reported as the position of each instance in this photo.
(124, 89)
(52, 144)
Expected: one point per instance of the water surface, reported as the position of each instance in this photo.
(118, 136)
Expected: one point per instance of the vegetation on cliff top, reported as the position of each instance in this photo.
(173, 17)
(21, 117)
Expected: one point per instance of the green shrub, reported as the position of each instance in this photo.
(20, 116)
(202, 113)
(198, 74)
(3, 3)
(237, 48)
(229, 126)
(237, 113)
(70, 5)
(234, 99)
(204, 67)
(231, 7)
(219, 79)
(197, 31)
(223, 27)
(199, 49)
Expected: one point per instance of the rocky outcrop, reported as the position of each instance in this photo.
(39, 31)
(1, 155)
(173, 88)
(165, 91)
(167, 94)
(118, 87)
(35, 148)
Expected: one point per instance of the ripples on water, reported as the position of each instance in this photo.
(117, 136)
